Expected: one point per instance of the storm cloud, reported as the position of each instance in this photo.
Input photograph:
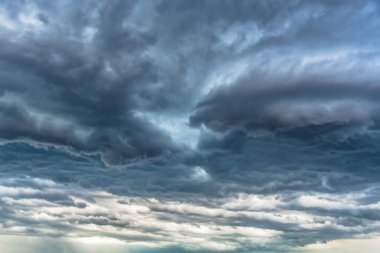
(189, 126)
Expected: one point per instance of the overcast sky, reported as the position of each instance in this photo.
(186, 126)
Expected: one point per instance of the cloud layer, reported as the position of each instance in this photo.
(243, 222)
(182, 126)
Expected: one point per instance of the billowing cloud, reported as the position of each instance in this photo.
(77, 84)
(189, 126)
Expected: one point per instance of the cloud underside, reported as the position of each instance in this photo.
(83, 76)
(190, 125)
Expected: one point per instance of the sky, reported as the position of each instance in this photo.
(181, 126)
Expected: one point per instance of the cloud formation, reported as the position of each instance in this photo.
(96, 216)
(189, 126)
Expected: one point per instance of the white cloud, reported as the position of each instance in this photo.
(5, 21)
(200, 175)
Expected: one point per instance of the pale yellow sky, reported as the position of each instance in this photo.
(23, 244)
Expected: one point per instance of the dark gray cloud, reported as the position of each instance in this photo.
(245, 125)
(315, 70)
(81, 94)
(94, 68)
(257, 104)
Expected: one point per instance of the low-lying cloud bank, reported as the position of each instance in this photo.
(43, 208)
